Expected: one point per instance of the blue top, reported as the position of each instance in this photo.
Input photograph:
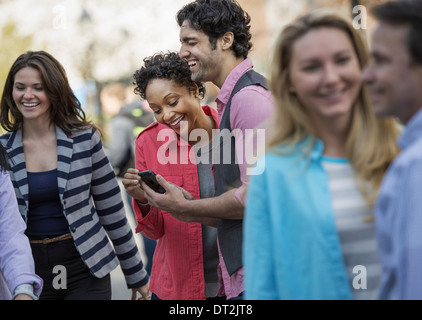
(399, 218)
(335, 160)
(291, 245)
(45, 215)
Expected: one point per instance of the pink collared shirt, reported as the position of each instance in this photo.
(250, 108)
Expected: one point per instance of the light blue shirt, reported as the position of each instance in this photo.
(399, 218)
(17, 269)
(291, 245)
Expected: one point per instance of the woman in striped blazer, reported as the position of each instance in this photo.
(67, 192)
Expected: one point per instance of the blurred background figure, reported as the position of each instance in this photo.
(126, 116)
(394, 77)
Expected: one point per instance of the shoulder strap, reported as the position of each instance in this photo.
(250, 78)
(227, 176)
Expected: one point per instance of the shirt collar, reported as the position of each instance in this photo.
(412, 131)
(317, 150)
(310, 145)
(231, 80)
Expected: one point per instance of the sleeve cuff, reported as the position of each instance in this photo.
(27, 289)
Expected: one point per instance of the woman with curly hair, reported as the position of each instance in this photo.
(66, 189)
(186, 256)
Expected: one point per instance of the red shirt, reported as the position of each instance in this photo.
(177, 269)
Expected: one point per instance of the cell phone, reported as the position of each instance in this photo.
(148, 176)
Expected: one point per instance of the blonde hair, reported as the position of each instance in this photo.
(371, 144)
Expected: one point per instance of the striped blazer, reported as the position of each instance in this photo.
(91, 201)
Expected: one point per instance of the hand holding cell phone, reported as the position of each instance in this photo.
(148, 176)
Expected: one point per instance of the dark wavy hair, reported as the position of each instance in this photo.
(404, 12)
(215, 18)
(65, 109)
(166, 66)
(4, 156)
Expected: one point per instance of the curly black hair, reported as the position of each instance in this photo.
(215, 18)
(165, 66)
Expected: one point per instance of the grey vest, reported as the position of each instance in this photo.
(227, 176)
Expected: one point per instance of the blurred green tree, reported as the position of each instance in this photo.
(12, 44)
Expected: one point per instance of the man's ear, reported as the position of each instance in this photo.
(227, 40)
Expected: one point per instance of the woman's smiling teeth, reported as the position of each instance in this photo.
(30, 105)
(177, 121)
(333, 94)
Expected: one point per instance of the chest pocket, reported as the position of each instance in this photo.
(177, 180)
(187, 182)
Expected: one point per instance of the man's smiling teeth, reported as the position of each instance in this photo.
(192, 63)
(176, 122)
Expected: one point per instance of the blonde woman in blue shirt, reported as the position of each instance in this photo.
(308, 230)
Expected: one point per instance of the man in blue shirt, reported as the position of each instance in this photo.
(394, 77)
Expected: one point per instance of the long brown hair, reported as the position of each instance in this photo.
(65, 110)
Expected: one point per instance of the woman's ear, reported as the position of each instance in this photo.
(195, 90)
